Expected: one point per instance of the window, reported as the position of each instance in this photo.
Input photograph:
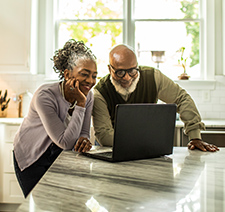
(99, 23)
(164, 28)
(148, 26)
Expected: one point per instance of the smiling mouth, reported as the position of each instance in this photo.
(87, 87)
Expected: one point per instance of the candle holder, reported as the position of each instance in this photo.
(158, 57)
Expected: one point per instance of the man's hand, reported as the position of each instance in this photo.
(82, 145)
(204, 146)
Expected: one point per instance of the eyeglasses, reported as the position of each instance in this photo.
(122, 72)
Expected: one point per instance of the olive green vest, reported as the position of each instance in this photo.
(145, 91)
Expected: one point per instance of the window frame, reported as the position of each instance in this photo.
(207, 37)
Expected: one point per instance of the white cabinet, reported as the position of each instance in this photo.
(223, 22)
(15, 36)
(10, 191)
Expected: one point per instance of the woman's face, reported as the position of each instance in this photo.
(85, 72)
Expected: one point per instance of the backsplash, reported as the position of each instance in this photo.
(214, 108)
(17, 84)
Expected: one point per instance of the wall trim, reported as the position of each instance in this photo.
(197, 84)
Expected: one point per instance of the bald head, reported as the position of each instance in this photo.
(122, 57)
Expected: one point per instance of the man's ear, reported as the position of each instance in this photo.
(66, 74)
(109, 69)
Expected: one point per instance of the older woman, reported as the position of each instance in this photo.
(59, 116)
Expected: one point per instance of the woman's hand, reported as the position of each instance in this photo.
(73, 92)
(82, 145)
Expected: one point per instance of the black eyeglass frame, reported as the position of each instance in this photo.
(125, 71)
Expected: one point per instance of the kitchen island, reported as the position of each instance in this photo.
(184, 181)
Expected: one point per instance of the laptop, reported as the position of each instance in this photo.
(141, 131)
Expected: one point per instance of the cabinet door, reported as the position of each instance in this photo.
(9, 133)
(15, 36)
(8, 166)
(12, 190)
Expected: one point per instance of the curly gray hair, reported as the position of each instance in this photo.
(66, 57)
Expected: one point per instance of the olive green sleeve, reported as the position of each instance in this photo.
(103, 128)
(171, 92)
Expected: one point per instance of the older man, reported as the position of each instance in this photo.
(128, 83)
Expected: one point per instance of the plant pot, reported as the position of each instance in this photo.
(183, 76)
(3, 113)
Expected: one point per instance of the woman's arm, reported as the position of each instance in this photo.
(85, 131)
(47, 110)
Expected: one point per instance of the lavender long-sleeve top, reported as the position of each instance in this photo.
(44, 124)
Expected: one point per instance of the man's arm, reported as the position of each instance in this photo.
(104, 131)
(170, 92)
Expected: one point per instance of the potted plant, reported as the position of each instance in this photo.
(183, 62)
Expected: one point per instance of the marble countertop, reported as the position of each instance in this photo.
(11, 120)
(208, 123)
(184, 181)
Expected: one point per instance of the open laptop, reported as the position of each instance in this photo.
(141, 131)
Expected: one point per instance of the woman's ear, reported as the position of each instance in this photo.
(66, 74)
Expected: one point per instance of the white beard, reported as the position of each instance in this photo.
(125, 92)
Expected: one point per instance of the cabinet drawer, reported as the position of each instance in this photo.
(11, 189)
(214, 136)
(8, 158)
(9, 133)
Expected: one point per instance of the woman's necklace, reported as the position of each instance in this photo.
(71, 107)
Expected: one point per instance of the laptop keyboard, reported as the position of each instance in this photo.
(105, 154)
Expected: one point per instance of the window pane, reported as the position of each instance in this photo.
(165, 36)
(166, 9)
(90, 9)
(99, 36)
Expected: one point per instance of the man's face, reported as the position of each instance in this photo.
(123, 69)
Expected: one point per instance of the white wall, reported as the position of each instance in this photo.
(213, 108)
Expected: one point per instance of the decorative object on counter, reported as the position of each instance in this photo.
(183, 62)
(3, 104)
(20, 98)
(24, 103)
(158, 57)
